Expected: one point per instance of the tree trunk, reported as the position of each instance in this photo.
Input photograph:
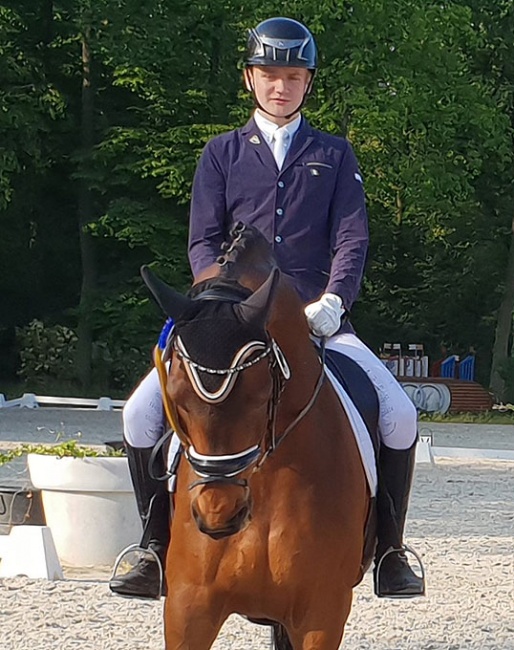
(47, 21)
(85, 217)
(503, 327)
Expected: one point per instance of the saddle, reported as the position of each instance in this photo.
(361, 391)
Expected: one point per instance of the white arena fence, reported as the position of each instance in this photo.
(425, 452)
(32, 401)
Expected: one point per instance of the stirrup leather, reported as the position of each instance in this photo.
(150, 551)
(403, 549)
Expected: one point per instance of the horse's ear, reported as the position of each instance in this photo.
(254, 310)
(170, 301)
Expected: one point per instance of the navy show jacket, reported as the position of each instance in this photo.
(312, 211)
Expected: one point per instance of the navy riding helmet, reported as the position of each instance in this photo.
(281, 42)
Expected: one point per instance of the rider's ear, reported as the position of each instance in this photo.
(170, 301)
(255, 309)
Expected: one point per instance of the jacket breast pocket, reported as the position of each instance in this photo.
(313, 187)
(317, 169)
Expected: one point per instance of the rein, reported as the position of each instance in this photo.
(277, 441)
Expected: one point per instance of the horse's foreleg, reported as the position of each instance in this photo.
(189, 623)
(322, 630)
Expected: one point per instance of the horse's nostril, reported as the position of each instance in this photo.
(243, 514)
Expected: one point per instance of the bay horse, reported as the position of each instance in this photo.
(272, 505)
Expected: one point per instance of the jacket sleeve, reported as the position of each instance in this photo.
(208, 211)
(348, 231)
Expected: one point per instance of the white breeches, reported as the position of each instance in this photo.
(398, 418)
(144, 421)
(143, 414)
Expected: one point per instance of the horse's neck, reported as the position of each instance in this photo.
(246, 274)
(288, 327)
(249, 259)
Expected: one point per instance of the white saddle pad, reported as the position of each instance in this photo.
(360, 431)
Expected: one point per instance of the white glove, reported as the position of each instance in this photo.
(324, 315)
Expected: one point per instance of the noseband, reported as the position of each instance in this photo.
(227, 468)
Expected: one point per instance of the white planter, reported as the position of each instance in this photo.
(89, 506)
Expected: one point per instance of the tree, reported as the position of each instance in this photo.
(417, 86)
(30, 107)
(86, 213)
(493, 22)
(428, 135)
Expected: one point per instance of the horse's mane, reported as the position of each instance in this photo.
(211, 329)
(247, 252)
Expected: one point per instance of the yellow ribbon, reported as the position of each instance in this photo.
(163, 377)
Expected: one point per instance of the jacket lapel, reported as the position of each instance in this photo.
(254, 142)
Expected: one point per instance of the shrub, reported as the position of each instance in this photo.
(46, 352)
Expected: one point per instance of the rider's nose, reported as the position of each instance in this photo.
(279, 86)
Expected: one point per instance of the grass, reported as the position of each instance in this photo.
(488, 417)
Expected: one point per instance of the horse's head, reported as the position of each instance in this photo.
(223, 382)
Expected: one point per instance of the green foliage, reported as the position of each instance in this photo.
(46, 352)
(506, 370)
(427, 134)
(69, 448)
(28, 104)
(422, 89)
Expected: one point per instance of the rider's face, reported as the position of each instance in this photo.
(279, 90)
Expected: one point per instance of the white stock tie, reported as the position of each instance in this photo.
(280, 146)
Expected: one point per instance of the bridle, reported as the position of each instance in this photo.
(228, 468)
(238, 364)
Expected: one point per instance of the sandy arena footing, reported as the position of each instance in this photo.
(461, 521)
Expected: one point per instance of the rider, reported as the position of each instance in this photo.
(302, 188)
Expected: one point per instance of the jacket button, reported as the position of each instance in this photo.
(280, 212)
(281, 184)
(278, 239)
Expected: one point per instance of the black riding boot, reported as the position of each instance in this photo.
(393, 577)
(153, 502)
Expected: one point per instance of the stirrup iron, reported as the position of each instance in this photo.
(137, 547)
(403, 549)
